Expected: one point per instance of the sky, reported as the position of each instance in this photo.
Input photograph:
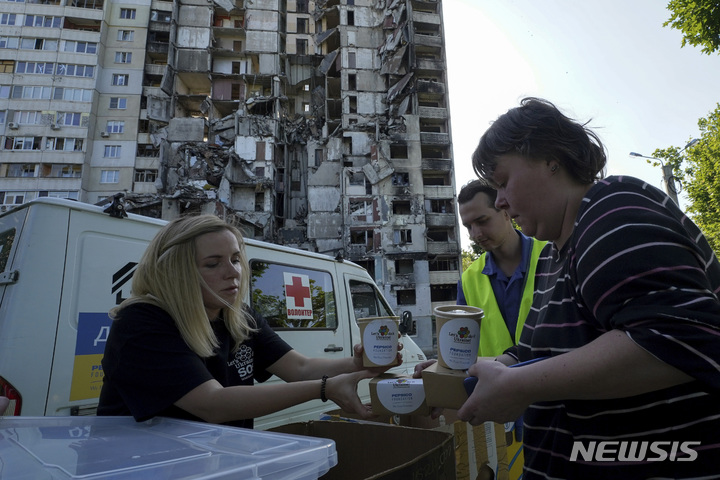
(610, 62)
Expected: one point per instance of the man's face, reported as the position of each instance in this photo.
(486, 226)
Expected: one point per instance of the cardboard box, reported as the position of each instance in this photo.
(415, 421)
(515, 453)
(480, 451)
(394, 394)
(444, 387)
(376, 451)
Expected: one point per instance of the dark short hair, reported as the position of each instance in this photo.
(537, 129)
(473, 187)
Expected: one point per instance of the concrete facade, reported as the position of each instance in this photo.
(318, 124)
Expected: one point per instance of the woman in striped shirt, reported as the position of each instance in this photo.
(626, 311)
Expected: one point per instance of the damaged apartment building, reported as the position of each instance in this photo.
(320, 125)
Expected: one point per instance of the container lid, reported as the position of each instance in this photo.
(120, 448)
(458, 311)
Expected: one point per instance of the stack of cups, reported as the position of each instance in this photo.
(458, 335)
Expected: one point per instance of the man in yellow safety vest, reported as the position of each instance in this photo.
(501, 281)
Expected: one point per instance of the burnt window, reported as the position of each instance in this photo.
(443, 293)
(401, 179)
(406, 297)
(302, 25)
(404, 266)
(443, 264)
(439, 206)
(402, 236)
(401, 207)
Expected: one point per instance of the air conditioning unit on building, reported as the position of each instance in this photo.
(4, 208)
(55, 126)
(104, 134)
(13, 126)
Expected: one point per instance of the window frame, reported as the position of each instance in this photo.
(104, 174)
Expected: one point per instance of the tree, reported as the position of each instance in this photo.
(699, 22)
(698, 169)
(471, 254)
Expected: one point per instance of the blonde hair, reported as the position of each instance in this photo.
(168, 277)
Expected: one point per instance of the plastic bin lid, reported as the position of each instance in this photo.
(119, 448)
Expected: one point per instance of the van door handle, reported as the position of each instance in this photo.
(333, 348)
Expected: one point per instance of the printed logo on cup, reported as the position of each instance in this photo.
(402, 395)
(379, 339)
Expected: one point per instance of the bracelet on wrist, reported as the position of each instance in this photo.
(323, 382)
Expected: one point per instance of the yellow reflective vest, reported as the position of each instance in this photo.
(494, 335)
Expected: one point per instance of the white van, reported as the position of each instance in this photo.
(65, 264)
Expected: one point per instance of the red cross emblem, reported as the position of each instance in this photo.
(297, 291)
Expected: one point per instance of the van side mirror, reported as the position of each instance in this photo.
(407, 326)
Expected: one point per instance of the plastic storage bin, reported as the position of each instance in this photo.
(118, 448)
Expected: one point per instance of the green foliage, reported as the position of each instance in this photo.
(471, 254)
(699, 22)
(698, 169)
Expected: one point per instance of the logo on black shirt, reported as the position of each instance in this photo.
(243, 362)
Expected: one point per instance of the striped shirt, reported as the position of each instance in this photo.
(635, 263)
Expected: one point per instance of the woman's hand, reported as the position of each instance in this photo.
(358, 360)
(342, 389)
(422, 366)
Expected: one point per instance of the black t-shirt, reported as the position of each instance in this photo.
(148, 366)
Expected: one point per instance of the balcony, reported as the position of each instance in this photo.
(160, 48)
(432, 65)
(432, 112)
(428, 40)
(358, 251)
(40, 183)
(440, 220)
(443, 278)
(431, 86)
(159, 27)
(436, 165)
(439, 191)
(424, 17)
(443, 248)
(434, 138)
(93, 4)
(155, 69)
(429, 6)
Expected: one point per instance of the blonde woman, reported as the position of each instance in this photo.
(184, 345)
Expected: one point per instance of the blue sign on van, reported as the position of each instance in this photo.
(92, 332)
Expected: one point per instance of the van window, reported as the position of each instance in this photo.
(293, 297)
(366, 302)
(6, 242)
